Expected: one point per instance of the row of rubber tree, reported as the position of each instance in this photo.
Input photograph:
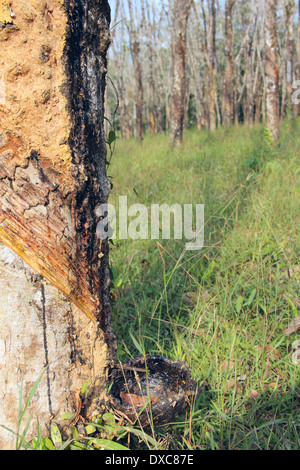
(202, 63)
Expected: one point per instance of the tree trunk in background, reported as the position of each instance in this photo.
(272, 70)
(249, 105)
(225, 62)
(201, 80)
(253, 73)
(139, 92)
(227, 111)
(150, 28)
(139, 118)
(125, 121)
(212, 65)
(179, 10)
(290, 10)
(297, 106)
(52, 181)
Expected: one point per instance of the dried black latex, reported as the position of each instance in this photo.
(151, 390)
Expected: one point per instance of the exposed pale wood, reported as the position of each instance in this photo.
(41, 327)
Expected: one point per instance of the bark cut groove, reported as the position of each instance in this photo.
(48, 209)
(87, 32)
(54, 267)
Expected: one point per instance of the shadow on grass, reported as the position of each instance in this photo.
(269, 421)
(151, 312)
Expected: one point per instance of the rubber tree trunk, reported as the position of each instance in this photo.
(297, 105)
(179, 11)
(54, 282)
(272, 70)
(212, 65)
(229, 66)
(138, 78)
(290, 10)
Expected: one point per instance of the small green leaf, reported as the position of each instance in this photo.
(239, 303)
(111, 137)
(106, 119)
(85, 389)
(108, 445)
(68, 416)
(48, 443)
(143, 436)
(90, 429)
(56, 435)
(77, 446)
(108, 418)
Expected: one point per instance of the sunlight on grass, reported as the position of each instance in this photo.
(222, 310)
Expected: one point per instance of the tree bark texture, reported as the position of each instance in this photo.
(290, 10)
(179, 17)
(40, 327)
(150, 35)
(52, 181)
(297, 106)
(229, 66)
(139, 91)
(212, 65)
(272, 70)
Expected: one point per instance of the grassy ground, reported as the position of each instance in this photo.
(222, 309)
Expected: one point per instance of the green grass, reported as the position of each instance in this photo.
(222, 309)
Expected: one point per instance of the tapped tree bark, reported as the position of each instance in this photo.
(272, 70)
(54, 294)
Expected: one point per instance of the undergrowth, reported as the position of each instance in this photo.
(222, 309)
